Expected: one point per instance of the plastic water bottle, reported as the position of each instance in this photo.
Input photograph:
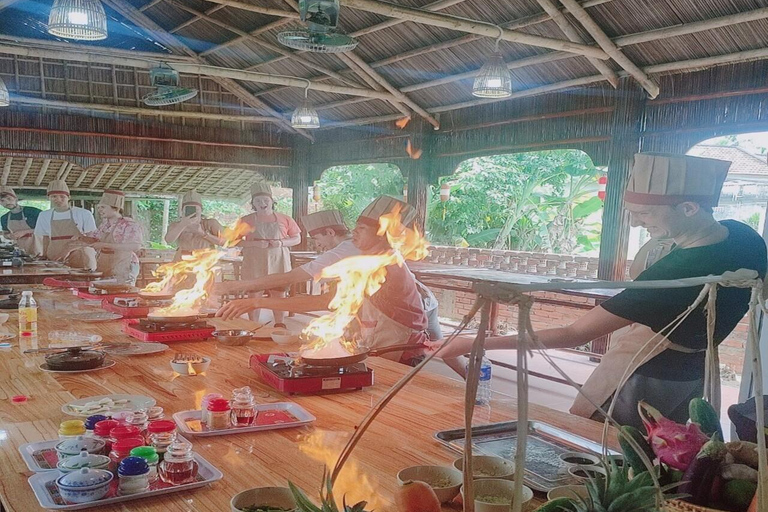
(484, 382)
(27, 316)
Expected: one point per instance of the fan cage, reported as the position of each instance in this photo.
(306, 40)
(5, 98)
(169, 96)
(305, 117)
(84, 20)
(493, 80)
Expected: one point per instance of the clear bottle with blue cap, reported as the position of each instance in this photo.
(133, 473)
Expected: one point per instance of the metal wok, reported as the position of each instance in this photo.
(359, 357)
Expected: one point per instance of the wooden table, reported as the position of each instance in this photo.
(401, 437)
(28, 274)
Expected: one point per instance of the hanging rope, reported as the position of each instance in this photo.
(712, 360)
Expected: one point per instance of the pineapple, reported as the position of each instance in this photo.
(326, 496)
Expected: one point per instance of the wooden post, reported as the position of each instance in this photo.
(418, 191)
(166, 217)
(630, 104)
(299, 181)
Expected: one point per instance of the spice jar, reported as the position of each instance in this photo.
(243, 408)
(155, 413)
(102, 431)
(70, 429)
(123, 432)
(139, 419)
(161, 434)
(133, 473)
(150, 455)
(204, 406)
(218, 414)
(178, 466)
(91, 421)
(122, 416)
(122, 449)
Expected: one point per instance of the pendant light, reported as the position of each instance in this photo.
(305, 116)
(84, 20)
(493, 80)
(5, 98)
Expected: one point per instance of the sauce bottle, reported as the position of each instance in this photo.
(178, 466)
(218, 414)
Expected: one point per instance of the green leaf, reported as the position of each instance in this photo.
(587, 208)
(483, 237)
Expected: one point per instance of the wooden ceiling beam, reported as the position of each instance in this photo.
(264, 28)
(117, 174)
(98, 177)
(6, 170)
(44, 169)
(147, 177)
(133, 176)
(194, 19)
(95, 50)
(283, 13)
(84, 174)
(25, 171)
(609, 47)
(6, 3)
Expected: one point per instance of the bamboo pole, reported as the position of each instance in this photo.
(6, 170)
(471, 26)
(6, 3)
(609, 47)
(43, 170)
(264, 28)
(571, 33)
(283, 13)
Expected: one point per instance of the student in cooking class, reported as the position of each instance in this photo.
(673, 197)
(265, 247)
(117, 240)
(395, 314)
(193, 231)
(62, 225)
(19, 222)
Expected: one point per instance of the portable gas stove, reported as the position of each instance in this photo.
(147, 330)
(92, 293)
(132, 307)
(284, 373)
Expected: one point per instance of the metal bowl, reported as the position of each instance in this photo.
(75, 359)
(233, 337)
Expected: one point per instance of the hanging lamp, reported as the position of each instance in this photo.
(5, 98)
(84, 20)
(493, 80)
(305, 116)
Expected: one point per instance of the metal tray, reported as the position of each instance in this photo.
(270, 417)
(544, 470)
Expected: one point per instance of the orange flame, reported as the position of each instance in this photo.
(413, 153)
(352, 484)
(359, 277)
(200, 264)
(402, 123)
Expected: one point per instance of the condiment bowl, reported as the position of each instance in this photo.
(582, 473)
(495, 495)
(183, 367)
(279, 497)
(73, 447)
(567, 491)
(579, 459)
(283, 336)
(445, 481)
(488, 467)
(83, 460)
(85, 485)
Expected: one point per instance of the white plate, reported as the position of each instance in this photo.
(97, 316)
(108, 363)
(186, 419)
(135, 402)
(136, 348)
(44, 487)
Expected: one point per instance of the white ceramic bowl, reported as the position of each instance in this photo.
(84, 486)
(283, 336)
(183, 368)
(73, 447)
(84, 460)
(443, 480)
(488, 467)
(578, 472)
(567, 491)
(579, 459)
(279, 497)
(494, 487)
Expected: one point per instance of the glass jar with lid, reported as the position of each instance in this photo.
(102, 431)
(161, 434)
(178, 466)
(204, 406)
(71, 429)
(122, 449)
(243, 408)
(218, 414)
(149, 454)
(139, 419)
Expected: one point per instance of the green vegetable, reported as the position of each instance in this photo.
(630, 455)
(738, 494)
(558, 505)
(704, 415)
(260, 508)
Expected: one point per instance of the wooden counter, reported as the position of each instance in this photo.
(28, 274)
(401, 437)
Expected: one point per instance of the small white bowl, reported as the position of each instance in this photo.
(498, 488)
(577, 472)
(579, 459)
(487, 467)
(183, 368)
(283, 336)
(279, 497)
(567, 491)
(443, 480)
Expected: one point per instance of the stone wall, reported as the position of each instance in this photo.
(455, 304)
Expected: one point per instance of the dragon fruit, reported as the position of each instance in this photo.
(675, 445)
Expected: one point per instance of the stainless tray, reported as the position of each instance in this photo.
(543, 468)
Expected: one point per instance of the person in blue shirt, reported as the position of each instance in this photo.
(19, 222)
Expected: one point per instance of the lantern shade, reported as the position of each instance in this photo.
(493, 80)
(305, 117)
(84, 20)
(5, 98)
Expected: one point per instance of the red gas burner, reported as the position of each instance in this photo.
(63, 283)
(162, 332)
(90, 295)
(282, 372)
(125, 311)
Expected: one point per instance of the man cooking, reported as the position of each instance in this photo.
(393, 315)
(19, 223)
(62, 225)
(672, 196)
(193, 231)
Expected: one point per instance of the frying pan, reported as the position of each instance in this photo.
(179, 319)
(156, 295)
(359, 357)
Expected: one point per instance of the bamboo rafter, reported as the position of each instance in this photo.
(43, 170)
(6, 170)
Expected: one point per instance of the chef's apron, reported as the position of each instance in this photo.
(258, 262)
(189, 241)
(28, 243)
(117, 264)
(64, 231)
(629, 349)
(377, 330)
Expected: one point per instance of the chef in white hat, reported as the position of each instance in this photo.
(62, 225)
(673, 197)
(118, 239)
(193, 231)
(265, 247)
(19, 223)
